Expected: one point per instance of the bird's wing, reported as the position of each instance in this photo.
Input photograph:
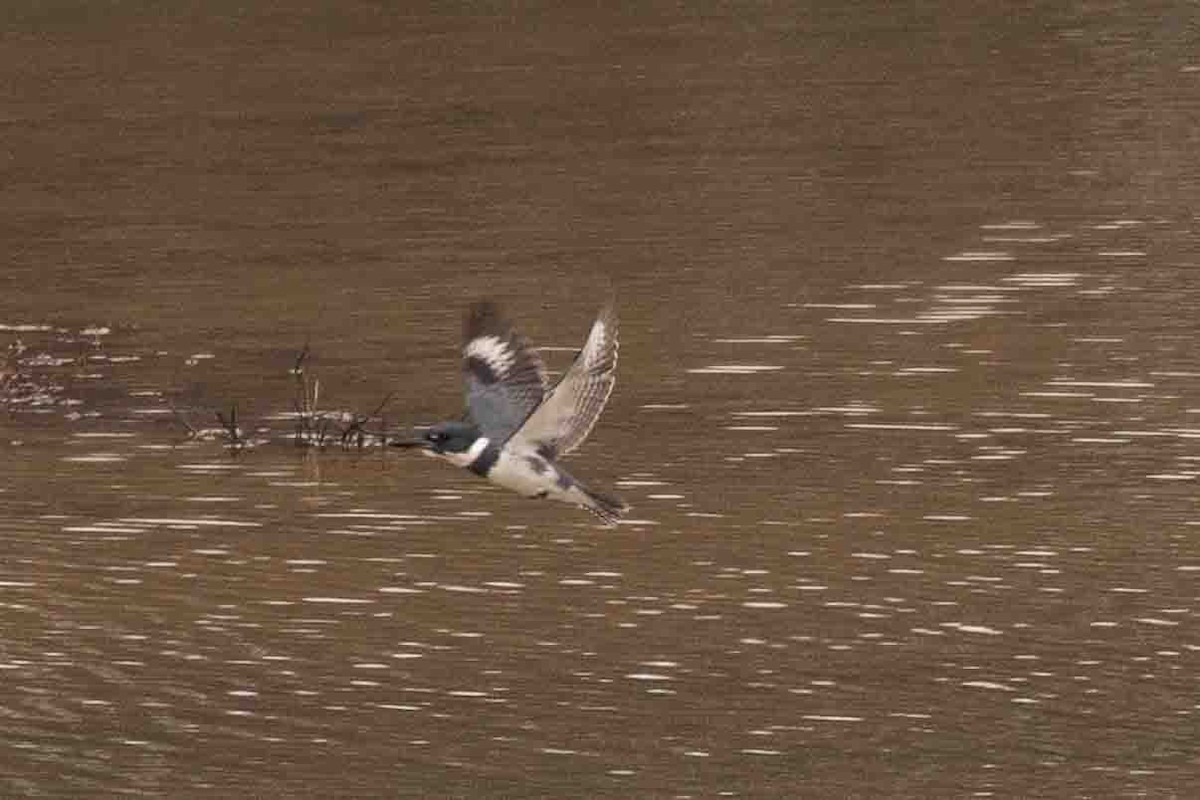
(505, 379)
(563, 421)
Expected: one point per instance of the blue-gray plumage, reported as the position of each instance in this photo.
(517, 426)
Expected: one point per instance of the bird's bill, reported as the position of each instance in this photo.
(410, 442)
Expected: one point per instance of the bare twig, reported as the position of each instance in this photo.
(356, 433)
(191, 429)
(231, 427)
(313, 428)
(304, 401)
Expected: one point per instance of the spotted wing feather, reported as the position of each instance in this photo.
(505, 378)
(563, 421)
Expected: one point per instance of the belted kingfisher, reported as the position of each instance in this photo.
(516, 425)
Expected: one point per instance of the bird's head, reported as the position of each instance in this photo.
(450, 440)
(451, 437)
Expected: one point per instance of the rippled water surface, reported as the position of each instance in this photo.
(907, 405)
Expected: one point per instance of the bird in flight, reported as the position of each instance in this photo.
(517, 425)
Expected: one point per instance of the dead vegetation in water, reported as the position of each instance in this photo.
(312, 426)
(46, 368)
(317, 428)
(11, 375)
(32, 378)
(227, 430)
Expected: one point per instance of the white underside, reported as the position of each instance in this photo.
(513, 471)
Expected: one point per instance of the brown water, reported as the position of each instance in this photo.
(907, 404)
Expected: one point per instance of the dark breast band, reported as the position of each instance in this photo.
(484, 462)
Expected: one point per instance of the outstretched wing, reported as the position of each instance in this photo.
(563, 421)
(505, 379)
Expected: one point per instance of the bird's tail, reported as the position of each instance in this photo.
(608, 508)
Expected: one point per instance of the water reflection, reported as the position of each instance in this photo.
(900, 483)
